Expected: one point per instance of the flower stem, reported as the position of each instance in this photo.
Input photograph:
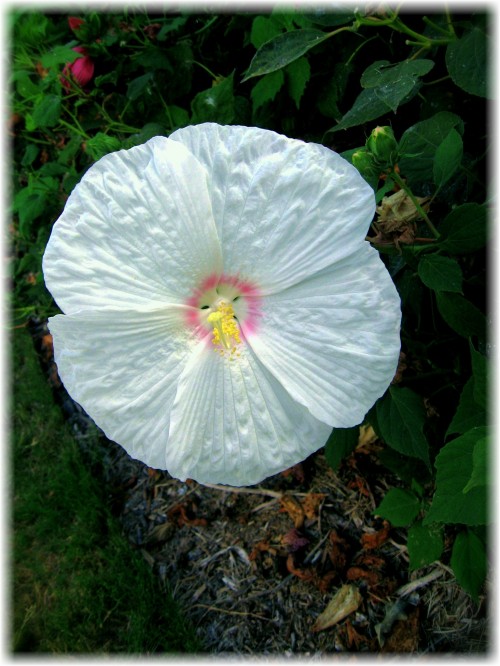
(414, 199)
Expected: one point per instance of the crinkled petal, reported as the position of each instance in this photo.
(284, 209)
(233, 423)
(333, 340)
(122, 368)
(137, 231)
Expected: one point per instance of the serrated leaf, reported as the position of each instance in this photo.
(282, 50)
(467, 61)
(461, 315)
(425, 545)
(340, 444)
(480, 475)
(46, 112)
(137, 86)
(464, 230)
(263, 29)
(60, 55)
(266, 89)
(469, 562)
(215, 104)
(383, 72)
(400, 420)
(440, 273)
(393, 82)
(366, 107)
(298, 74)
(454, 464)
(468, 414)
(419, 144)
(400, 507)
(448, 158)
(101, 144)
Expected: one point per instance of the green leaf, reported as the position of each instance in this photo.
(340, 444)
(101, 144)
(334, 90)
(400, 507)
(480, 475)
(266, 89)
(30, 154)
(24, 85)
(467, 62)
(393, 82)
(479, 373)
(419, 144)
(368, 106)
(400, 420)
(138, 86)
(461, 315)
(468, 414)
(425, 545)
(448, 158)
(282, 50)
(469, 562)
(60, 55)
(298, 74)
(440, 273)
(322, 16)
(454, 465)
(263, 29)
(464, 230)
(382, 72)
(29, 205)
(46, 112)
(215, 104)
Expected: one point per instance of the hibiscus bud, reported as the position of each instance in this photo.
(383, 146)
(75, 23)
(365, 164)
(81, 70)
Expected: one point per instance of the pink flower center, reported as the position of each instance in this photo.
(216, 293)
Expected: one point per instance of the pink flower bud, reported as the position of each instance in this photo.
(75, 23)
(81, 70)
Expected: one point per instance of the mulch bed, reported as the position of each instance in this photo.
(298, 565)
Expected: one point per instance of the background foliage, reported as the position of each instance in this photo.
(329, 78)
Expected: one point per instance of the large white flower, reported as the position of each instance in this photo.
(222, 309)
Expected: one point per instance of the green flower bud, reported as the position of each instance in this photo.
(365, 164)
(383, 146)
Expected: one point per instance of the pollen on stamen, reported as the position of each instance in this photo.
(226, 333)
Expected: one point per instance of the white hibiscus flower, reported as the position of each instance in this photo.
(222, 310)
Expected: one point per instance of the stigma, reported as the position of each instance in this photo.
(226, 333)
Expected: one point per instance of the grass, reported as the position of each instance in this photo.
(76, 584)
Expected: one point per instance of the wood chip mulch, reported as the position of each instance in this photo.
(298, 565)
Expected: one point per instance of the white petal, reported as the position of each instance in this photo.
(333, 340)
(136, 231)
(284, 209)
(122, 368)
(233, 423)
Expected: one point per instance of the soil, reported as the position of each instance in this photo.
(298, 565)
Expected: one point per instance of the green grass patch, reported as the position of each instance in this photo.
(76, 585)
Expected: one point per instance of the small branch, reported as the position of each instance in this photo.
(246, 491)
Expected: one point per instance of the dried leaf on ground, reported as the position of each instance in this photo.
(310, 504)
(303, 574)
(376, 539)
(346, 600)
(294, 509)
